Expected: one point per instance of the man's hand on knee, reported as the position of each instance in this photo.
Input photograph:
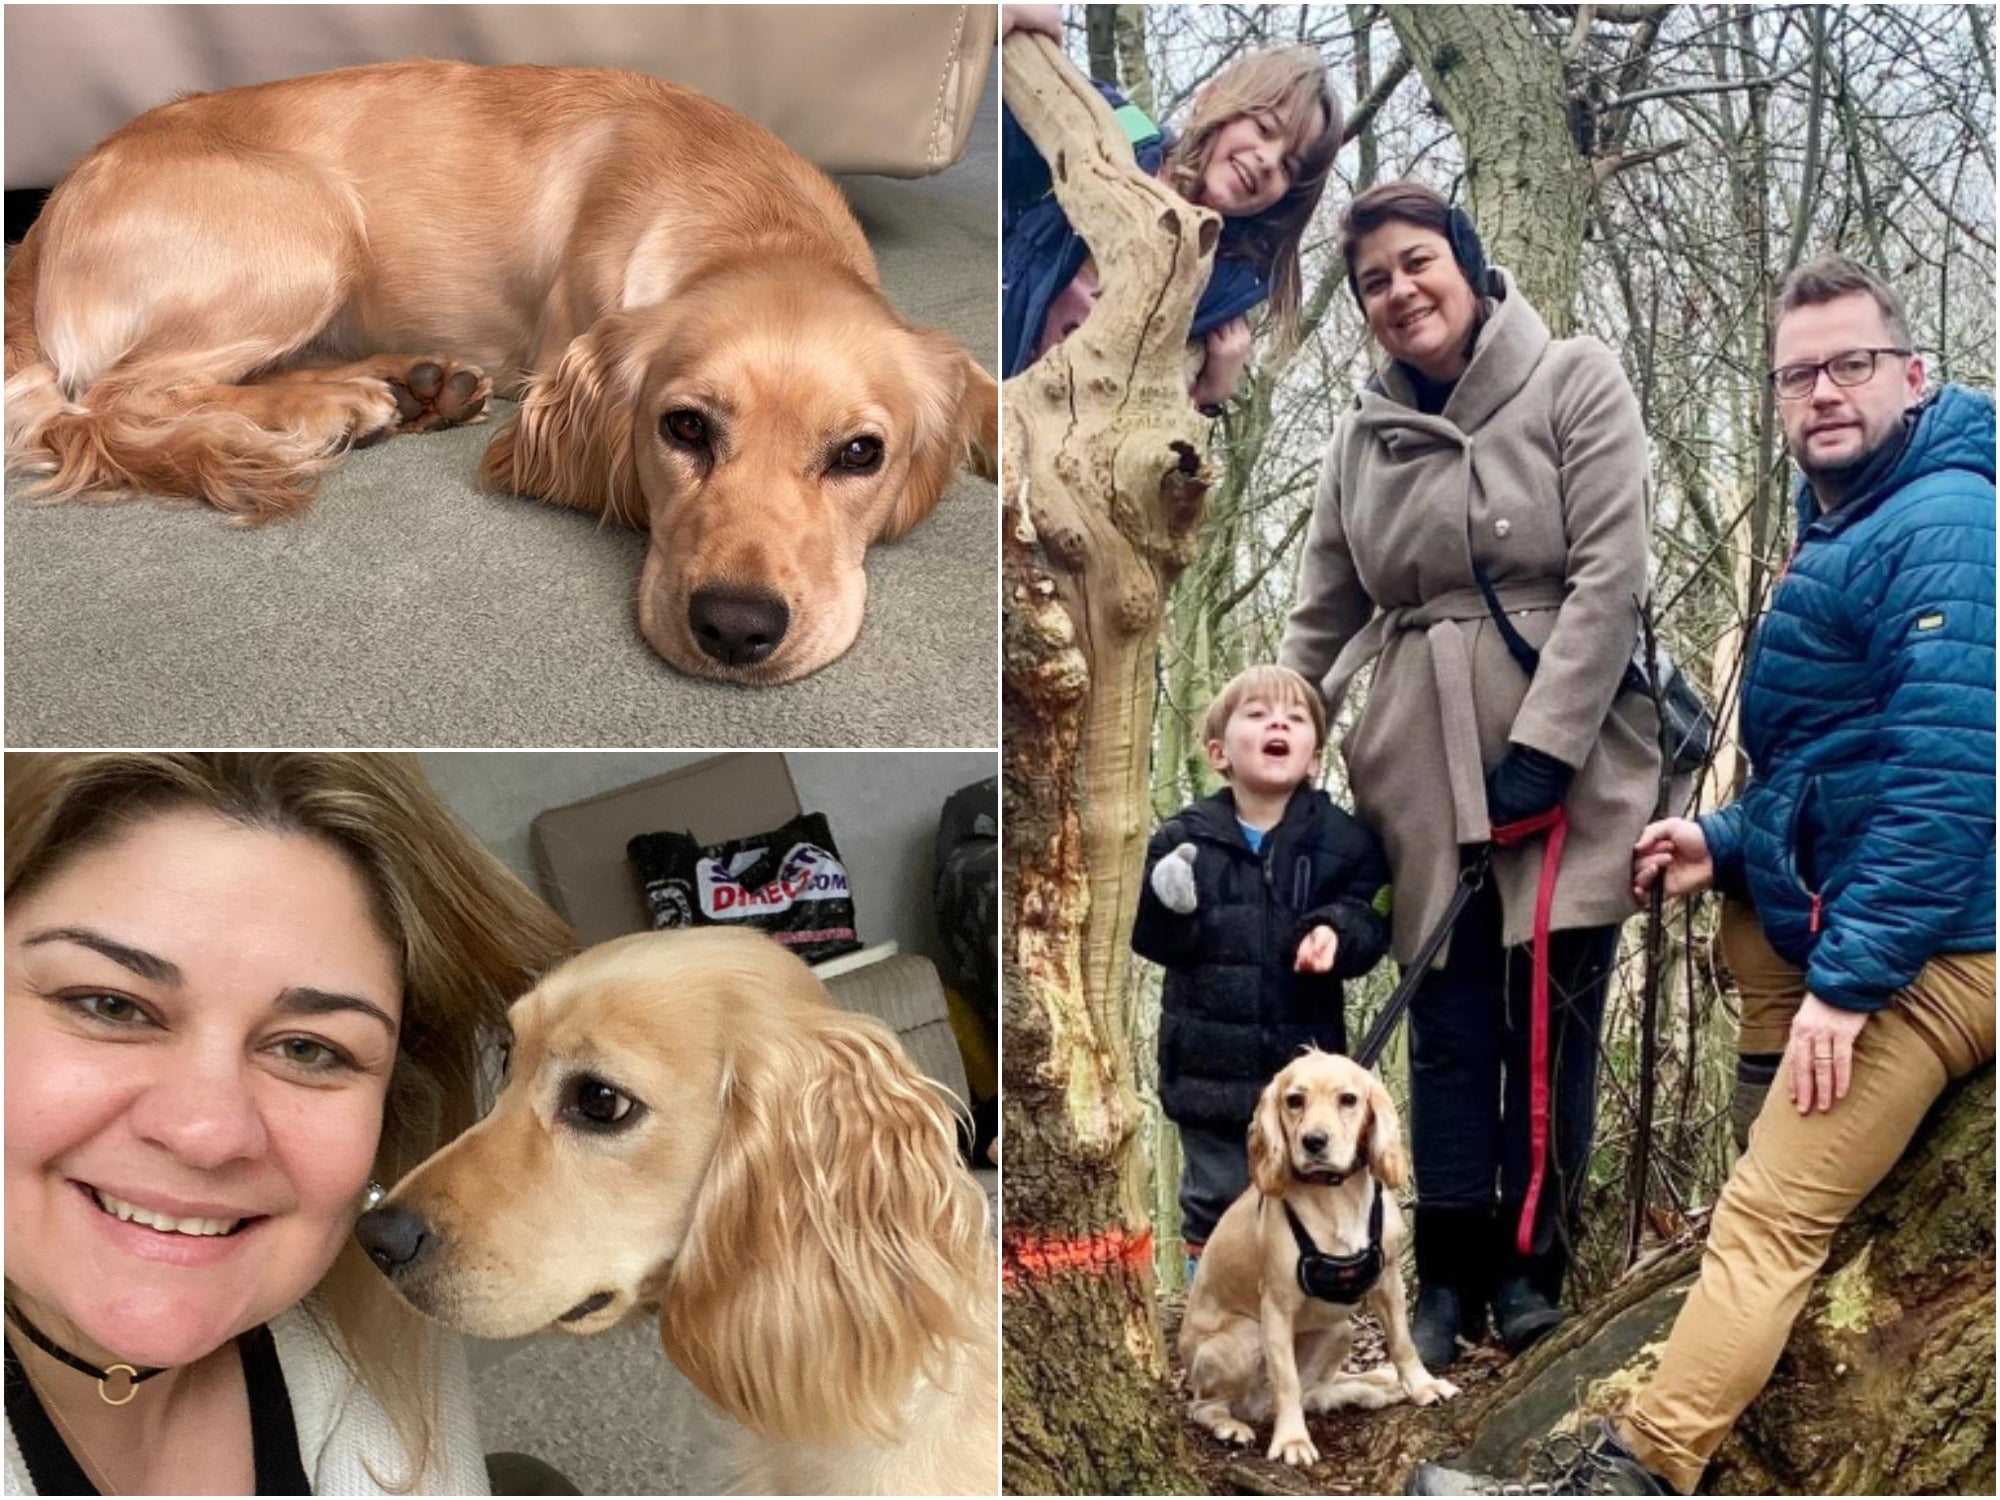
(1820, 1055)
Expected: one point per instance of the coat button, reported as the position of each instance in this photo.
(1502, 526)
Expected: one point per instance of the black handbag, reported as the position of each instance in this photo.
(1687, 723)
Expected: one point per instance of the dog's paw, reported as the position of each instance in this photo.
(1431, 1390)
(1232, 1431)
(437, 393)
(375, 415)
(1356, 1392)
(1296, 1450)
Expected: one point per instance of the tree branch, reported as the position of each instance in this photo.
(1809, 169)
(1683, 90)
(1604, 168)
(1370, 104)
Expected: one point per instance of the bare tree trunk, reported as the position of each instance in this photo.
(1526, 185)
(1103, 487)
(1100, 31)
(1132, 65)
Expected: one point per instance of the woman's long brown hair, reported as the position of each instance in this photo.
(1290, 84)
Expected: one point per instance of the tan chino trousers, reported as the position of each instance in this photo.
(1800, 1179)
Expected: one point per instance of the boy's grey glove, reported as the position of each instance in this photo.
(1173, 880)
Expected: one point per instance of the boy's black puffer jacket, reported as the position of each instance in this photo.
(1234, 1011)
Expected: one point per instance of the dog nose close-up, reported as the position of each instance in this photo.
(737, 627)
(395, 1237)
(1314, 1141)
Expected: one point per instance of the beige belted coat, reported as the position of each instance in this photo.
(1537, 462)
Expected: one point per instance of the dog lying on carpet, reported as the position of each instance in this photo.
(1270, 1316)
(689, 1124)
(233, 290)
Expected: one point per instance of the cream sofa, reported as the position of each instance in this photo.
(855, 88)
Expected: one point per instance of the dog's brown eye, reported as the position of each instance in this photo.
(686, 426)
(1295, 1101)
(862, 455)
(595, 1104)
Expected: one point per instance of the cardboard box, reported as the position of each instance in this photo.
(580, 849)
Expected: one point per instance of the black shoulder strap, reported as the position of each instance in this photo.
(274, 1433)
(51, 1465)
(1517, 645)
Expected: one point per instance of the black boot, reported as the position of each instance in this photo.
(1526, 1292)
(1523, 1316)
(1561, 1465)
(1434, 1326)
(1449, 1301)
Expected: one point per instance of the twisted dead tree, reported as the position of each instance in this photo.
(1102, 488)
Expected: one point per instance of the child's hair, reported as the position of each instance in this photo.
(1290, 83)
(1274, 684)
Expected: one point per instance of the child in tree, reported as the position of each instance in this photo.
(1257, 148)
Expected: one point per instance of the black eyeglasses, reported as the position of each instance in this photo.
(1854, 367)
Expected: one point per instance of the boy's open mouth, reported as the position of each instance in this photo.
(1278, 746)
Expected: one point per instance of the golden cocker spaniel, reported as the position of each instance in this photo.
(236, 288)
(689, 1124)
(1326, 1158)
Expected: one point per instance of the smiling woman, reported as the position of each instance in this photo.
(1480, 535)
(239, 989)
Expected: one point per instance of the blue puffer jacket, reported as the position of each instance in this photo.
(1040, 254)
(1865, 836)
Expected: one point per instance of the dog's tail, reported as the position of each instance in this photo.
(144, 429)
(33, 397)
(113, 448)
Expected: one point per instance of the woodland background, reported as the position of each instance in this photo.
(1650, 173)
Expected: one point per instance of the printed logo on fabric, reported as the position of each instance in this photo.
(807, 873)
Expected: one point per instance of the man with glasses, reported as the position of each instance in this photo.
(1858, 865)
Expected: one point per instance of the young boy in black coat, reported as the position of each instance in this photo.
(1258, 902)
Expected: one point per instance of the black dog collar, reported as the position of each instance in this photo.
(1345, 1279)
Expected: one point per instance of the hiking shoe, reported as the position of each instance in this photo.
(1561, 1465)
(1523, 1316)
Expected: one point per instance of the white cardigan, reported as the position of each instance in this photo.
(342, 1427)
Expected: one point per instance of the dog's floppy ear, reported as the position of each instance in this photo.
(1270, 1159)
(1386, 1157)
(836, 1240)
(957, 427)
(571, 441)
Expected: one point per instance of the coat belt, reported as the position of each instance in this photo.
(1440, 619)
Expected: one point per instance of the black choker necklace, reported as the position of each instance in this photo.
(126, 1378)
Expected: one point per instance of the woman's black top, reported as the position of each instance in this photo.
(274, 1436)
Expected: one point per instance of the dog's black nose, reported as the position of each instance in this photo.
(394, 1237)
(1314, 1141)
(737, 626)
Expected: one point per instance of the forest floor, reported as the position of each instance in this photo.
(1345, 1439)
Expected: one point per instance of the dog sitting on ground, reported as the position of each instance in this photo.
(234, 289)
(689, 1124)
(1326, 1159)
